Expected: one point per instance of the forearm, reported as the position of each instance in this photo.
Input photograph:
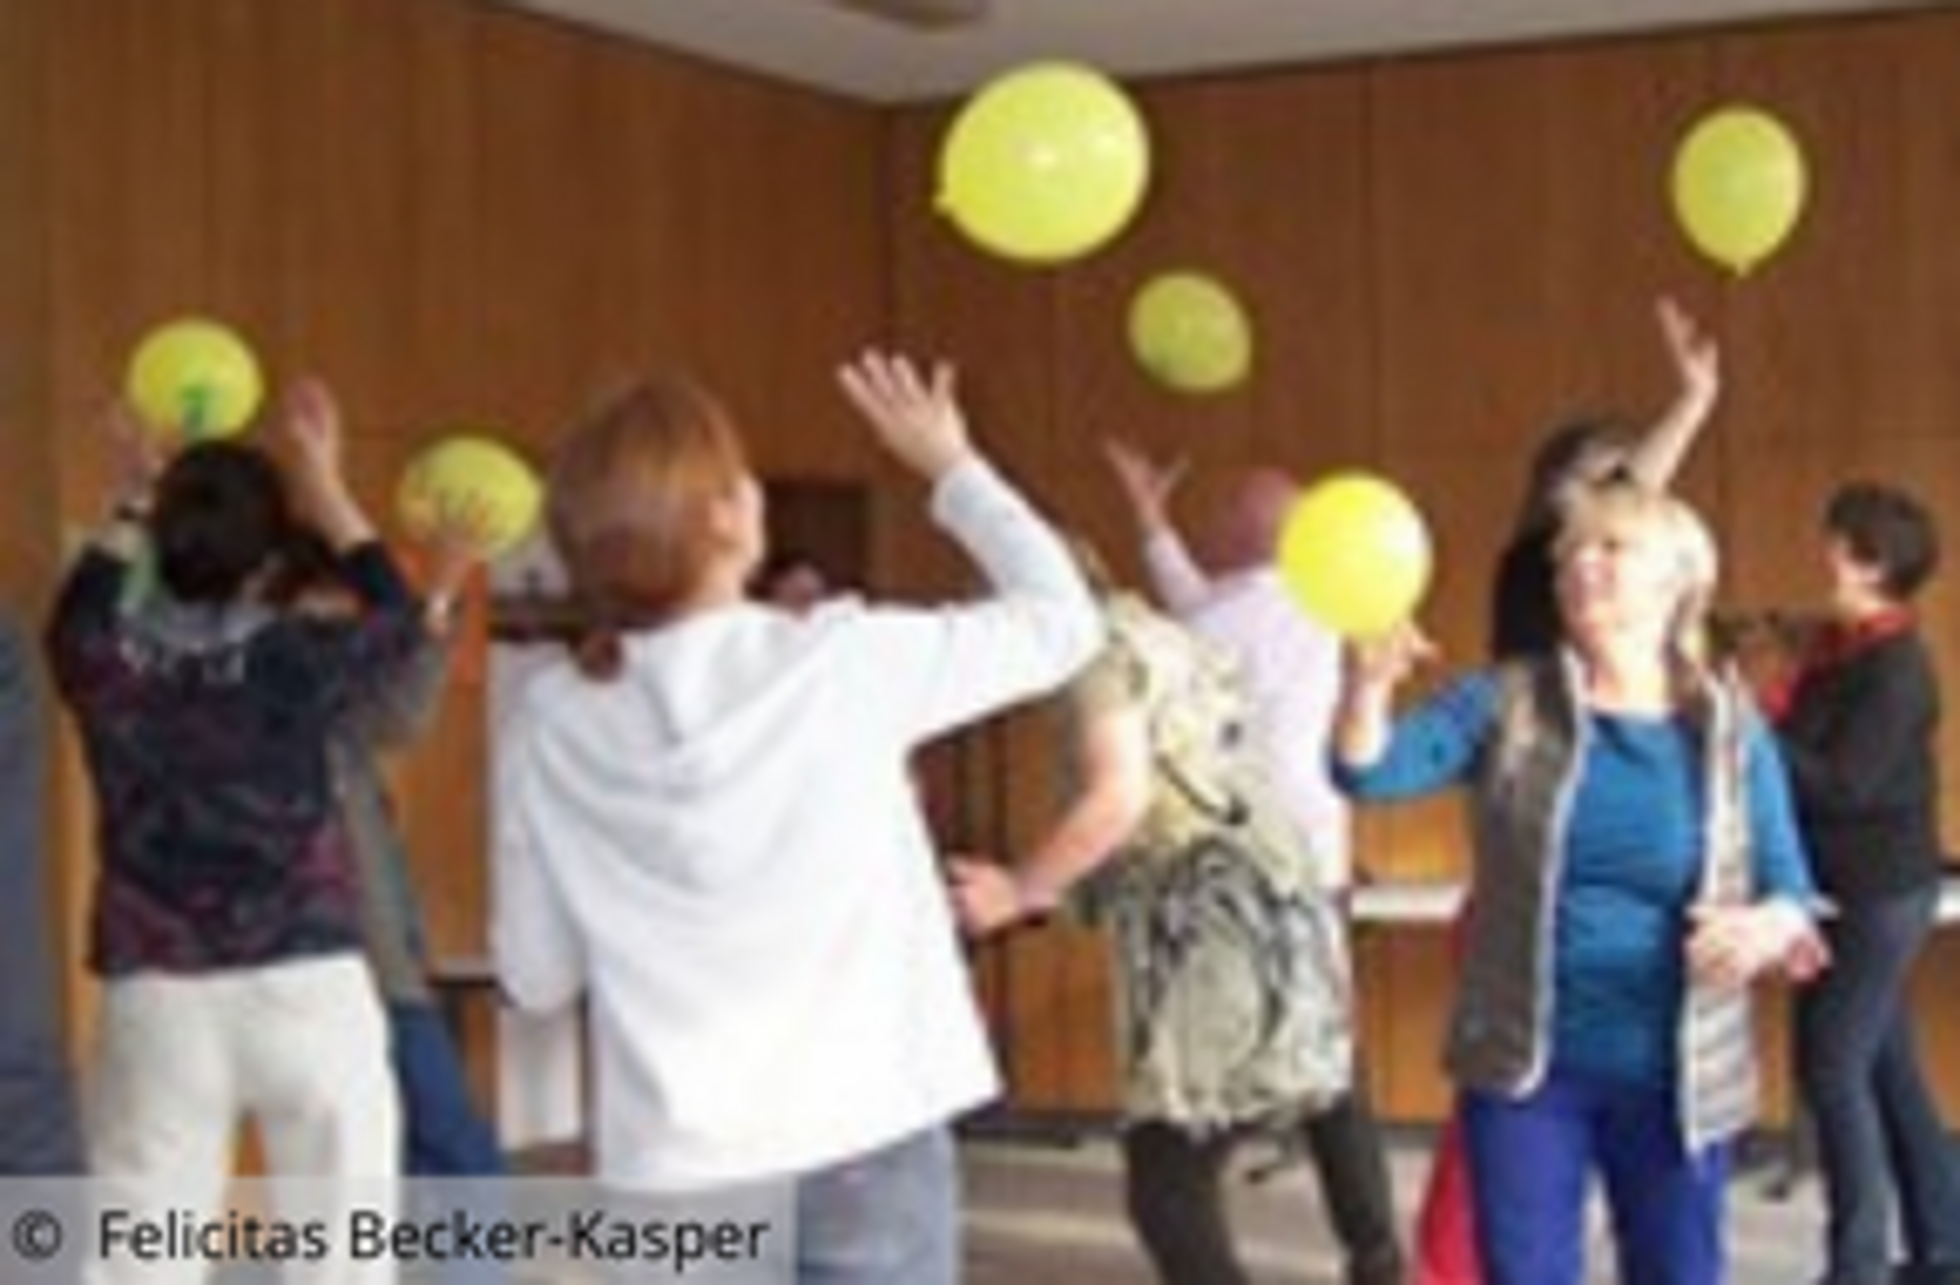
(1377, 756)
(1658, 455)
(1084, 839)
(1038, 627)
(1175, 576)
(337, 514)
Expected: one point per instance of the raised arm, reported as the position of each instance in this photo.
(82, 631)
(939, 669)
(395, 713)
(1658, 455)
(1179, 583)
(312, 424)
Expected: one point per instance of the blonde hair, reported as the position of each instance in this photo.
(1628, 510)
(630, 505)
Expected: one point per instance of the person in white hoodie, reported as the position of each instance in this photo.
(707, 827)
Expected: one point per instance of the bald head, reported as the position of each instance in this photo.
(1243, 533)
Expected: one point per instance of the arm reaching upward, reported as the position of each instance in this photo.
(1658, 455)
(1179, 583)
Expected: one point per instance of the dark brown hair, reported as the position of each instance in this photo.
(630, 502)
(1888, 530)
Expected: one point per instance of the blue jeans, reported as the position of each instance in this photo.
(443, 1134)
(890, 1217)
(1881, 1145)
(1532, 1161)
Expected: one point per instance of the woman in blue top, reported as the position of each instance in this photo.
(1636, 864)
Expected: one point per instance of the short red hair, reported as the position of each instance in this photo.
(630, 501)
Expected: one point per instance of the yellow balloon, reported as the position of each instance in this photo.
(1738, 186)
(1045, 164)
(1355, 553)
(471, 474)
(196, 378)
(1189, 332)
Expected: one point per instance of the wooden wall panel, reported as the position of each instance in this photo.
(465, 218)
(128, 205)
(1518, 255)
(1851, 328)
(465, 215)
(28, 452)
(1431, 300)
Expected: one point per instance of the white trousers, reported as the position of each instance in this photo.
(301, 1048)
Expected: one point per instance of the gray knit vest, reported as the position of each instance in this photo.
(1521, 797)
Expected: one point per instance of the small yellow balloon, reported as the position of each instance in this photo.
(1190, 333)
(475, 475)
(1355, 553)
(1045, 164)
(1738, 186)
(196, 379)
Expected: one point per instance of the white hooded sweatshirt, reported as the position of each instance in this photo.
(722, 852)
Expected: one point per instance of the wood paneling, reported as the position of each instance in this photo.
(1444, 258)
(464, 217)
(28, 451)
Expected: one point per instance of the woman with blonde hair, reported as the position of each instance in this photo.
(1636, 864)
(708, 828)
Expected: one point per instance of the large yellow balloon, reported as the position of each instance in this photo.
(471, 474)
(1189, 332)
(195, 378)
(1355, 553)
(1045, 164)
(1739, 186)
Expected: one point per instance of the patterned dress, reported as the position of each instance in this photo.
(1232, 977)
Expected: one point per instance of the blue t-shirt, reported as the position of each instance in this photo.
(1631, 863)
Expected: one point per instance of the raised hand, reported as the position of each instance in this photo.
(1386, 660)
(458, 543)
(1697, 358)
(136, 456)
(918, 418)
(312, 424)
(1146, 484)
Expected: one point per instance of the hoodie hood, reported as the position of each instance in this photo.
(692, 751)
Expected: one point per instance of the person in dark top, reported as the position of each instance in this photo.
(1859, 734)
(225, 924)
(39, 1133)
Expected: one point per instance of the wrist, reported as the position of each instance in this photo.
(1033, 899)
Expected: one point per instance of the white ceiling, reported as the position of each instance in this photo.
(834, 47)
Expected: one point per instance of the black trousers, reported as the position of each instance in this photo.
(1173, 1183)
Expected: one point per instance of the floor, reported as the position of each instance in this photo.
(1041, 1213)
